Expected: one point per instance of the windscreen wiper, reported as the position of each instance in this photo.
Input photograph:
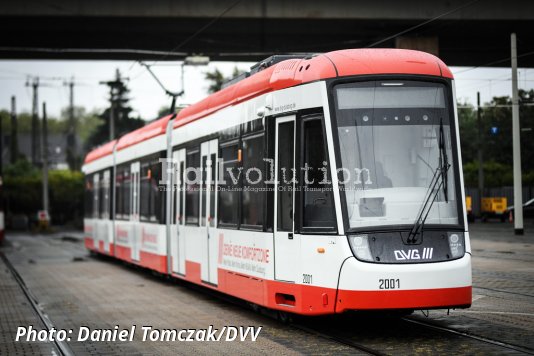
(444, 161)
(430, 197)
(439, 179)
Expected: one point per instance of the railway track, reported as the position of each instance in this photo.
(339, 339)
(336, 336)
(61, 347)
(311, 326)
(483, 339)
(505, 291)
(365, 335)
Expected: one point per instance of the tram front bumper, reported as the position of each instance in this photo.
(366, 286)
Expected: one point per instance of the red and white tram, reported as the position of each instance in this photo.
(313, 185)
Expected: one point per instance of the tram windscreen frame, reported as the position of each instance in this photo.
(388, 135)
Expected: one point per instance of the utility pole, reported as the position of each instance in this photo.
(2, 222)
(71, 129)
(44, 152)
(480, 157)
(112, 116)
(516, 140)
(14, 144)
(1, 149)
(35, 120)
(116, 90)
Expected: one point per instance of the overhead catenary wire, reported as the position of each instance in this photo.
(200, 30)
(410, 29)
(492, 106)
(93, 50)
(494, 62)
(183, 43)
(174, 95)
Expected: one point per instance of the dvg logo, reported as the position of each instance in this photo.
(414, 254)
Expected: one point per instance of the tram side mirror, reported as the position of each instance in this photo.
(261, 112)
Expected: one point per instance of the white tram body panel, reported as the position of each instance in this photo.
(99, 229)
(180, 229)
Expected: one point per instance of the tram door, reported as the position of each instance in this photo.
(134, 217)
(106, 213)
(286, 244)
(96, 208)
(178, 243)
(208, 219)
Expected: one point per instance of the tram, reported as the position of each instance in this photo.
(313, 185)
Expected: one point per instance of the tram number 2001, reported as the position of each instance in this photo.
(389, 283)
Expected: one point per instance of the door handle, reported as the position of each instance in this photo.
(290, 235)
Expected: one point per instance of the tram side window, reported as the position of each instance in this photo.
(103, 198)
(317, 195)
(89, 198)
(122, 191)
(151, 197)
(157, 194)
(144, 187)
(252, 198)
(96, 196)
(192, 193)
(228, 212)
(119, 209)
(126, 194)
(180, 186)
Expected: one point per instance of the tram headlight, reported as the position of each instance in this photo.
(360, 247)
(456, 244)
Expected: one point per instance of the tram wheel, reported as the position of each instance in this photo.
(285, 317)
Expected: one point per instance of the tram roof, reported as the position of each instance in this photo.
(100, 151)
(144, 133)
(288, 73)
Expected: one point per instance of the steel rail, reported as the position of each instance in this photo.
(61, 346)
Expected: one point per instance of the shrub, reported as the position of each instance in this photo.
(24, 195)
(495, 175)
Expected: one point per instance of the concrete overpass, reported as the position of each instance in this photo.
(471, 35)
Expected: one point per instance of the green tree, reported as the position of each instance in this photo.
(87, 125)
(24, 122)
(217, 79)
(468, 131)
(21, 168)
(498, 114)
(164, 110)
(497, 146)
(23, 192)
(123, 120)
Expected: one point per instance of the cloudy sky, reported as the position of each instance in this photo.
(147, 97)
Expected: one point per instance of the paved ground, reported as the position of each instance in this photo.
(74, 289)
(15, 310)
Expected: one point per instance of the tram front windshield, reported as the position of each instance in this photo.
(393, 136)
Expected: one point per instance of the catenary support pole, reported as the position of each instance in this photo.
(71, 128)
(44, 153)
(35, 120)
(480, 157)
(516, 139)
(14, 143)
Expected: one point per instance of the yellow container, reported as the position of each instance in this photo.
(495, 206)
(468, 204)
